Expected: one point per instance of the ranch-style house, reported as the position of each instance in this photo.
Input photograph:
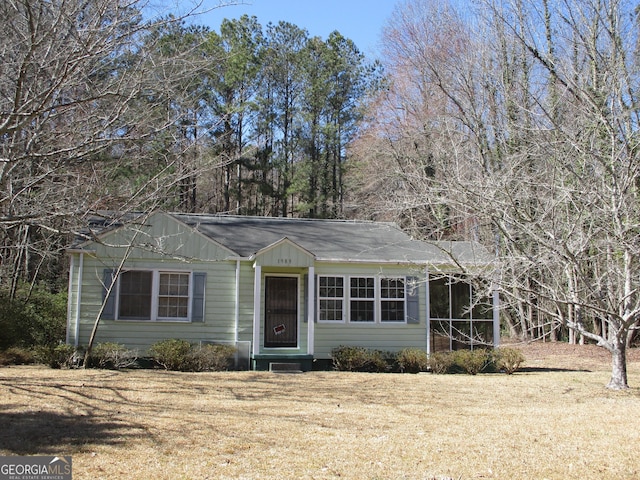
(281, 290)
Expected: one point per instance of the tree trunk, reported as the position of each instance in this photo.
(633, 333)
(619, 366)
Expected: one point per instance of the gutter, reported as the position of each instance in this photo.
(80, 250)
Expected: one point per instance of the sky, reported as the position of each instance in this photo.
(359, 20)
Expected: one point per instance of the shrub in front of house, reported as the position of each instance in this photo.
(211, 358)
(472, 361)
(59, 356)
(441, 362)
(412, 360)
(112, 355)
(172, 354)
(507, 359)
(178, 354)
(360, 359)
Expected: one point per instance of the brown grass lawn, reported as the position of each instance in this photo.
(554, 420)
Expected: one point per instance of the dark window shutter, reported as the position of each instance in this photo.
(412, 289)
(197, 301)
(109, 310)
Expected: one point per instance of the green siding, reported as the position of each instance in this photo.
(380, 337)
(160, 237)
(219, 318)
(245, 330)
(390, 337)
(219, 321)
(186, 250)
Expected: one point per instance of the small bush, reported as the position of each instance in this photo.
(348, 359)
(60, 356)
(17, 356)
(412, 360)
(359, 359)
(112, 356)
(440, 362)
(508, 359)
(471, 361)
(172, 354)
(211, 358)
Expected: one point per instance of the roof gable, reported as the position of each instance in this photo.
(154, 235)
(285, 253)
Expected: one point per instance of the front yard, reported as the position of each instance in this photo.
(554, 420)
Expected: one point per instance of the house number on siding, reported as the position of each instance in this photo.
(284, 261)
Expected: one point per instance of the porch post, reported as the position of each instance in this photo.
(257, 284)
(311, 295)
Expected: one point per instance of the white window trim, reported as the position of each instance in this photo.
(377, 300)
(345, 309)
(155, 297)
(380, 300)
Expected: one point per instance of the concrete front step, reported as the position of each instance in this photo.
(273, 362)
(285, 367)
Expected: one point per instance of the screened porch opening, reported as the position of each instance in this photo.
(461, 317)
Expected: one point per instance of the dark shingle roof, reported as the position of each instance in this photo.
(341, 240)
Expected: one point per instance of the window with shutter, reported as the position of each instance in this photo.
(392, 301)
(154, 295)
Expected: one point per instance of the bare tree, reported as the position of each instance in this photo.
(525, 136)
(73, 74)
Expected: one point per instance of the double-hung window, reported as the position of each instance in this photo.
(173, 295)
(331, 294)
(362, 299)
(135, 295)
(156, 295)
(392, 304)
(362, 294)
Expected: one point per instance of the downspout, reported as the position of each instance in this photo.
(236, 327)
(79, 299)
(69, 299)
